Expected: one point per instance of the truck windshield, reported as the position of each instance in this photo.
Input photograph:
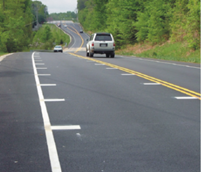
(103, 37)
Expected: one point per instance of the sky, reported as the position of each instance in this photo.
(57, 6)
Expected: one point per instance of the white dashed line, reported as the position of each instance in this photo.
(44, 74)
(151, 84)
(41, 68)
(47, 85)
(111, 68)
(99, 64)
(67, 127)
(127, 74)
(185, 98)
(39, 64)
(53, 100)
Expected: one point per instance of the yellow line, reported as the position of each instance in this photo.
(71, 30)
(76, 32)
(147, 77)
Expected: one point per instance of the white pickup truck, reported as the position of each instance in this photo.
(100, 43)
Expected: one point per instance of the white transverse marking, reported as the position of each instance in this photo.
(99, 64)
(39, 64)
(41, 68)
(186, 98)
(151, 84)
(127, 74)
(111, 68)
(44, 74)
(53, 100)
(54, 159)
(46, 85)
(67, 127)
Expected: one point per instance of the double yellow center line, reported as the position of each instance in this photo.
(147, 77)
(76, 32)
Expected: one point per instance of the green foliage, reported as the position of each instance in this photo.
(158, 23)
(81, 4)
(142, 26)
(16, 20)
(63, 16)
(178, 22)
(193, 24)
(155, 21)
(41, 10)
(15, 24)
(47, 36)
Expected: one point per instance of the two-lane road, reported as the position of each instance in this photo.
(66, 112)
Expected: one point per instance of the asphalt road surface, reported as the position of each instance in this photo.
(66, 112)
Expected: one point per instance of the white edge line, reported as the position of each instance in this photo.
(53, 155)
(68, 127)
(170, 63)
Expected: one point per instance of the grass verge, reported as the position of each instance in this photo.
(46, 39)
(2, 53)
(167, 51)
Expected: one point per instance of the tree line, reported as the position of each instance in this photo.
(138, 21)
(17, 17)
(63, 16)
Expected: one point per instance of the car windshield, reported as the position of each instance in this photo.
(58, 46)
(103, 37)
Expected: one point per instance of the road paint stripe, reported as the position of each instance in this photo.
(41, 68)
(127, 74)
(76, 32)
(137, 58)
(52, 150)
(147, 77)
(53, 100)
(47, 85)
(39, 64)
(151, 84)
(98, 64)
(44, 74)
(67, 127)
(186, 98)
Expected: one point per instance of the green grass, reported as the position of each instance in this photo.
(2, 53)
(169, 51)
